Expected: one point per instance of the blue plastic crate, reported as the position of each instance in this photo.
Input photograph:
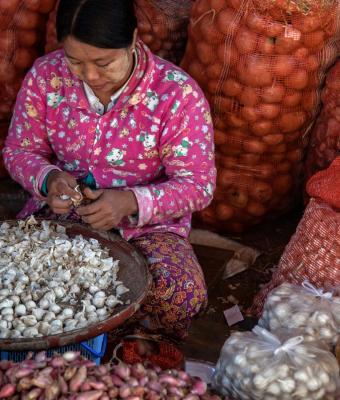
(93, 349)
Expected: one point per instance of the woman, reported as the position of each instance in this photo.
(136, 130)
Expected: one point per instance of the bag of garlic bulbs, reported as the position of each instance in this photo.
(258, 365)
(308, 309)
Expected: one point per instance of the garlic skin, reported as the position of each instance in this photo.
(53, 283)
(294, 308)
(285, 368)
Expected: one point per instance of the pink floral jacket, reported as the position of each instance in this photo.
(156, 141)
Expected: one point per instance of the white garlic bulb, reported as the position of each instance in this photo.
(38, 313)
(98, 301)
(283, 369)
(20, 310)
(301, 308)
(49, 275)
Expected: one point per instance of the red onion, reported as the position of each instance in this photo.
(70, 377)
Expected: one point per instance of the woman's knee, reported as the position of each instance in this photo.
(184, 293)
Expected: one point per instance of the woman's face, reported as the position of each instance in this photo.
(104, 70)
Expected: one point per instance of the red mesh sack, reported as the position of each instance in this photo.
(260, 64)
(312, 253)
(3, 133)
(325, 185)
(51, 33)
(22, 32)
(325, 139)
(162, 25)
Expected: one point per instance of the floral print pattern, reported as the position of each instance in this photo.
(157, 140)
(178, 290)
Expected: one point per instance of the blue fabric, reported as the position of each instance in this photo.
(88, 181)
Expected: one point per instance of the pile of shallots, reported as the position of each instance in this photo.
(51, 283)
(258, 365)
(305, 308)
(71, 377)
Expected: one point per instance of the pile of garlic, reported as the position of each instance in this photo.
(260, 366)
(51, 283)
(305, 308)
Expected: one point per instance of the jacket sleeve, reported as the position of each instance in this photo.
(27, 153)
(187, 151)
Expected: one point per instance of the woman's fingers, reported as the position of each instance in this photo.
(97, 218)
(93, 194)
(62, 188)
(91, 209)
(61, 211)
(57, 202)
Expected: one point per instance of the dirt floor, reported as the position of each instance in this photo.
(209, 332)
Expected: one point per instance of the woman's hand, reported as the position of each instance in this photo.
(61, 183)
(108, 208)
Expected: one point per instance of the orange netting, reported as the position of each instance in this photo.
(325, 139)
(22, 27)
(312, 253)
(51, 33)
(162, 25)
(3, 133)
(325, 185)
(261, 67)
(167, 357)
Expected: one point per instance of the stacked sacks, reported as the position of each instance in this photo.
(311, 311)
(313, 251)
(51, 33)
(259, 365)
(325, 139)
(162, 25)
(22, 28)
(260, 64)
(3, 133)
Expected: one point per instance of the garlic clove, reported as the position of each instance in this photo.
(20, 310)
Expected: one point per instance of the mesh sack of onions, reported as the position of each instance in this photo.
(312, 253)
(22, 31)
(259, 365)
(51, 33)
(71, 377)
(325, 138)
(325, 185)
(260, 64)
(162, 25)
(3, 133)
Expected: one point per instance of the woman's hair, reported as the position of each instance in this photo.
(108, 24)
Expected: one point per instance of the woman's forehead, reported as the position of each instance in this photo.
(85, 52)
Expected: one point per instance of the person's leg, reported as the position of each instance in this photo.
(178, 291)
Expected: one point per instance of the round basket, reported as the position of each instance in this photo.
(133, 272)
